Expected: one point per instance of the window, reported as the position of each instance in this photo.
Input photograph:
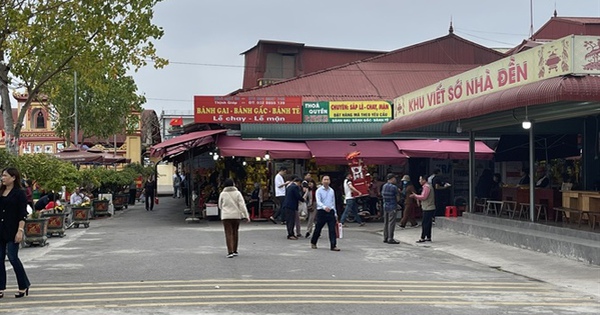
(280, 66)
(39, 120)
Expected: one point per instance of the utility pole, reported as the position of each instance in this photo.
(75, 105)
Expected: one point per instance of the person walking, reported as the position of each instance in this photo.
(427, 198)
(351, 205)
(150, 193)
(176, 185)
(293, 195)
(279, 185)
(132, 192)
(185, 187)
(311, 207)
(326, 214)
(13, 203)
(410, 204)
(233, 210)
(389, 192)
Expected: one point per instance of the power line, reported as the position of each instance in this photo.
(168, 100)
(491, 40)
(485, 32)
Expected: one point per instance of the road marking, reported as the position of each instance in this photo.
(182, 293)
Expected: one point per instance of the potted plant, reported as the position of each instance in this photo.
(36, 229)
(56, 220)
(100, 207)
(81, 214)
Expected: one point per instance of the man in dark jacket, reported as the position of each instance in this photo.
(293, 195)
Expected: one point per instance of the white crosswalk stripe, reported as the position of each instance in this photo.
(182, 293)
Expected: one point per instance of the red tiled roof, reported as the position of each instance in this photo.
(386, 76)
(580, 20)
(361, 81)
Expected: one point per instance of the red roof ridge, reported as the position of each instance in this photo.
(431, 41)
(368, 59)
(578, 19)
(277, 42)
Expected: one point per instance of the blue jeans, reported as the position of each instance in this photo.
(12, 249)
(351, 206)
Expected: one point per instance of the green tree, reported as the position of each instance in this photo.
(100, 99)
(40, 40)
(48, 171)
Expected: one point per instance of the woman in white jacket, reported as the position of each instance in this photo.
(233, 210)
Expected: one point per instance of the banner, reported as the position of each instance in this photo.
(347, 111)
(248, 109)
(568, 55)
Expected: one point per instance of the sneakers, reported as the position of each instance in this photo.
(313, 246)
(235, 254)
(362, 224)
(335, 249)
(307, 235)
(424, 240)
(230, 255)
(393, 242)
(272, 220)
(293, 238)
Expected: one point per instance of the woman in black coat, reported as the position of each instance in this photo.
(13, 212)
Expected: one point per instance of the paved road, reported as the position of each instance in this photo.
(141, 262)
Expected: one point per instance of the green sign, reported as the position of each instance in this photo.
(346, 112)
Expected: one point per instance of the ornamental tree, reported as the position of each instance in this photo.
(43, 39)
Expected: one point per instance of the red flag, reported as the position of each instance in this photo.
(176, 121)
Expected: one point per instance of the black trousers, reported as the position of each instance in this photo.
(290, 220)
(427, 223)
(132, 193)
(279, 212)
(149, 199)
(323, 218)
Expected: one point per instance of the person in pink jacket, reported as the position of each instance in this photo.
(427, 199)
(233, 210)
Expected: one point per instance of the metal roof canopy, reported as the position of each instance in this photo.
(342, 131)
(547, 100)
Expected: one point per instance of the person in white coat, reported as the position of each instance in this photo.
(233, 210)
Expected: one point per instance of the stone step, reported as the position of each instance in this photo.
(563, 242)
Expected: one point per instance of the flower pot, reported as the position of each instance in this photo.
(56, 223)
(81, 215)
(100, 207)
(35, 231)
(120, 201)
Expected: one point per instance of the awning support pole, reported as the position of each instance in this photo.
(531, 182)
(471, 171)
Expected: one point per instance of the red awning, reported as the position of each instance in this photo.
(235, 146)
(188, 140)
(334, 152)
(443, 149)
(567, 88)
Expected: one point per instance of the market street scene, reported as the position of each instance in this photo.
(142, 262)
(236, 157)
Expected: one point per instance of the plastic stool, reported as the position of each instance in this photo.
(451, 211)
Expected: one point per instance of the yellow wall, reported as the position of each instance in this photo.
(134, 149)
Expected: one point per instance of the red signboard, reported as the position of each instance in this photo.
(248, 109)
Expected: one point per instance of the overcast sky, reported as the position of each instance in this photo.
(204, 38)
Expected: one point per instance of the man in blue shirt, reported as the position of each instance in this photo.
(326, 214)
(389, 193)
(293, 195)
